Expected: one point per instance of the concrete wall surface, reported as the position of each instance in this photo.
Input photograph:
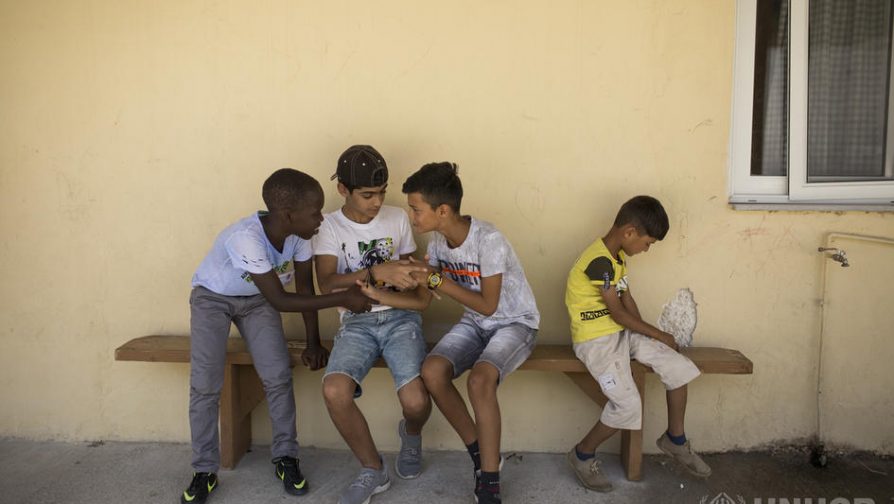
(133, 131)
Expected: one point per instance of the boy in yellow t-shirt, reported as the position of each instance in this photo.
(607, 331)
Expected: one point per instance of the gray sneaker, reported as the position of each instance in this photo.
(409, 460)
(685, 456)
(588, 472)
(368, 483)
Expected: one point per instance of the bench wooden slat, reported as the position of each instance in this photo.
(172, 348)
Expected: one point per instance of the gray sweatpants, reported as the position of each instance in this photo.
(261, 327)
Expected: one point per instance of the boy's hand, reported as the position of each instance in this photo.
(315, 357)
(356, 301)
(426, 269)
(668, 340)
(398, 273)
(370, 291)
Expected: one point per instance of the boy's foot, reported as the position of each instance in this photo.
(485, 494)
(478, 472)
(684, 455)
(409, 460)
(292, 479)
(368, 483)
(588, 472)
(202, 485)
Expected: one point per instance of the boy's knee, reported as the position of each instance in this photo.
(205, 389)
(278, 379)
(338, 391)
(416, 402)
(483, 379)
(436, 372)
(206, 383)
(625, 413)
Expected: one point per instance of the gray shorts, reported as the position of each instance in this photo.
(467, 344)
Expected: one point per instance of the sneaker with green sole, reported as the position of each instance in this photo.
(292, 479)
(203, 483)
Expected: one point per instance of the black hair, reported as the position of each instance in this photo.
(646, 214)
(287, 188)
(438, 184)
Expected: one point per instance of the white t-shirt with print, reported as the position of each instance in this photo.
(484, 253)
(243, 248)
(359, 246)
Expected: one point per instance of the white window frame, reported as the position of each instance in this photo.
(793, 188)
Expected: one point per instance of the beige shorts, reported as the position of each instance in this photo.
(608, 359)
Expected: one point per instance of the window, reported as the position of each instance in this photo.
(813, 110)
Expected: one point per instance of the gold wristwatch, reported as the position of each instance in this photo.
(435, 280)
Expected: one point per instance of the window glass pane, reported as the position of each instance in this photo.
(769, 134)
(849, 70)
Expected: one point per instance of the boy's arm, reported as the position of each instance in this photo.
(484, 302)
(396, 273)
(417, 299)
(630, 304)
(315, 356)
(620, 311)
(271, 288)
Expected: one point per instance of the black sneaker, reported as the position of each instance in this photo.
(485, 494)
(292, 479)
(202, 485)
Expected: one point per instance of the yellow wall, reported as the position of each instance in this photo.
(131, 132)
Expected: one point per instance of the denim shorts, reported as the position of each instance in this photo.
(467, 344)
(395, 335)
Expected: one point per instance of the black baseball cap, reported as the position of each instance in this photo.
(361, 166)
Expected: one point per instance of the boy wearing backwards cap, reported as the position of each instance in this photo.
(368, 242)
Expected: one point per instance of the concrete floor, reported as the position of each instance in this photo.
(52, 472)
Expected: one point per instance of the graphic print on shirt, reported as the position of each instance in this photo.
(465, 273)
(377, 251)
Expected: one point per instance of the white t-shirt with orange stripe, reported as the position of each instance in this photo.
(484, 253)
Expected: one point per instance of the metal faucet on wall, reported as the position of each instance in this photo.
(838, 255)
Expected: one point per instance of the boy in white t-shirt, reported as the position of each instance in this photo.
(241, 282)
(473, 263)
(365, 241)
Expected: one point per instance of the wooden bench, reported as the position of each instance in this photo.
(242, 390)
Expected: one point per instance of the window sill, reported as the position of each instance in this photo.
(782, 206)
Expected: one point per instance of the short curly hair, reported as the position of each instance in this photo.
(287, 188)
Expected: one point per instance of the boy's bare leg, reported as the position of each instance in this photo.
(416, 405)
(597, 435)
(437, 372)
(483, 381)
(676, 410)
(338, 392)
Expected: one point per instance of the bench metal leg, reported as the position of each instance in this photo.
(242, 391)
(631, 440)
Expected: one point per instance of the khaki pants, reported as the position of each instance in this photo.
(608, 359)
